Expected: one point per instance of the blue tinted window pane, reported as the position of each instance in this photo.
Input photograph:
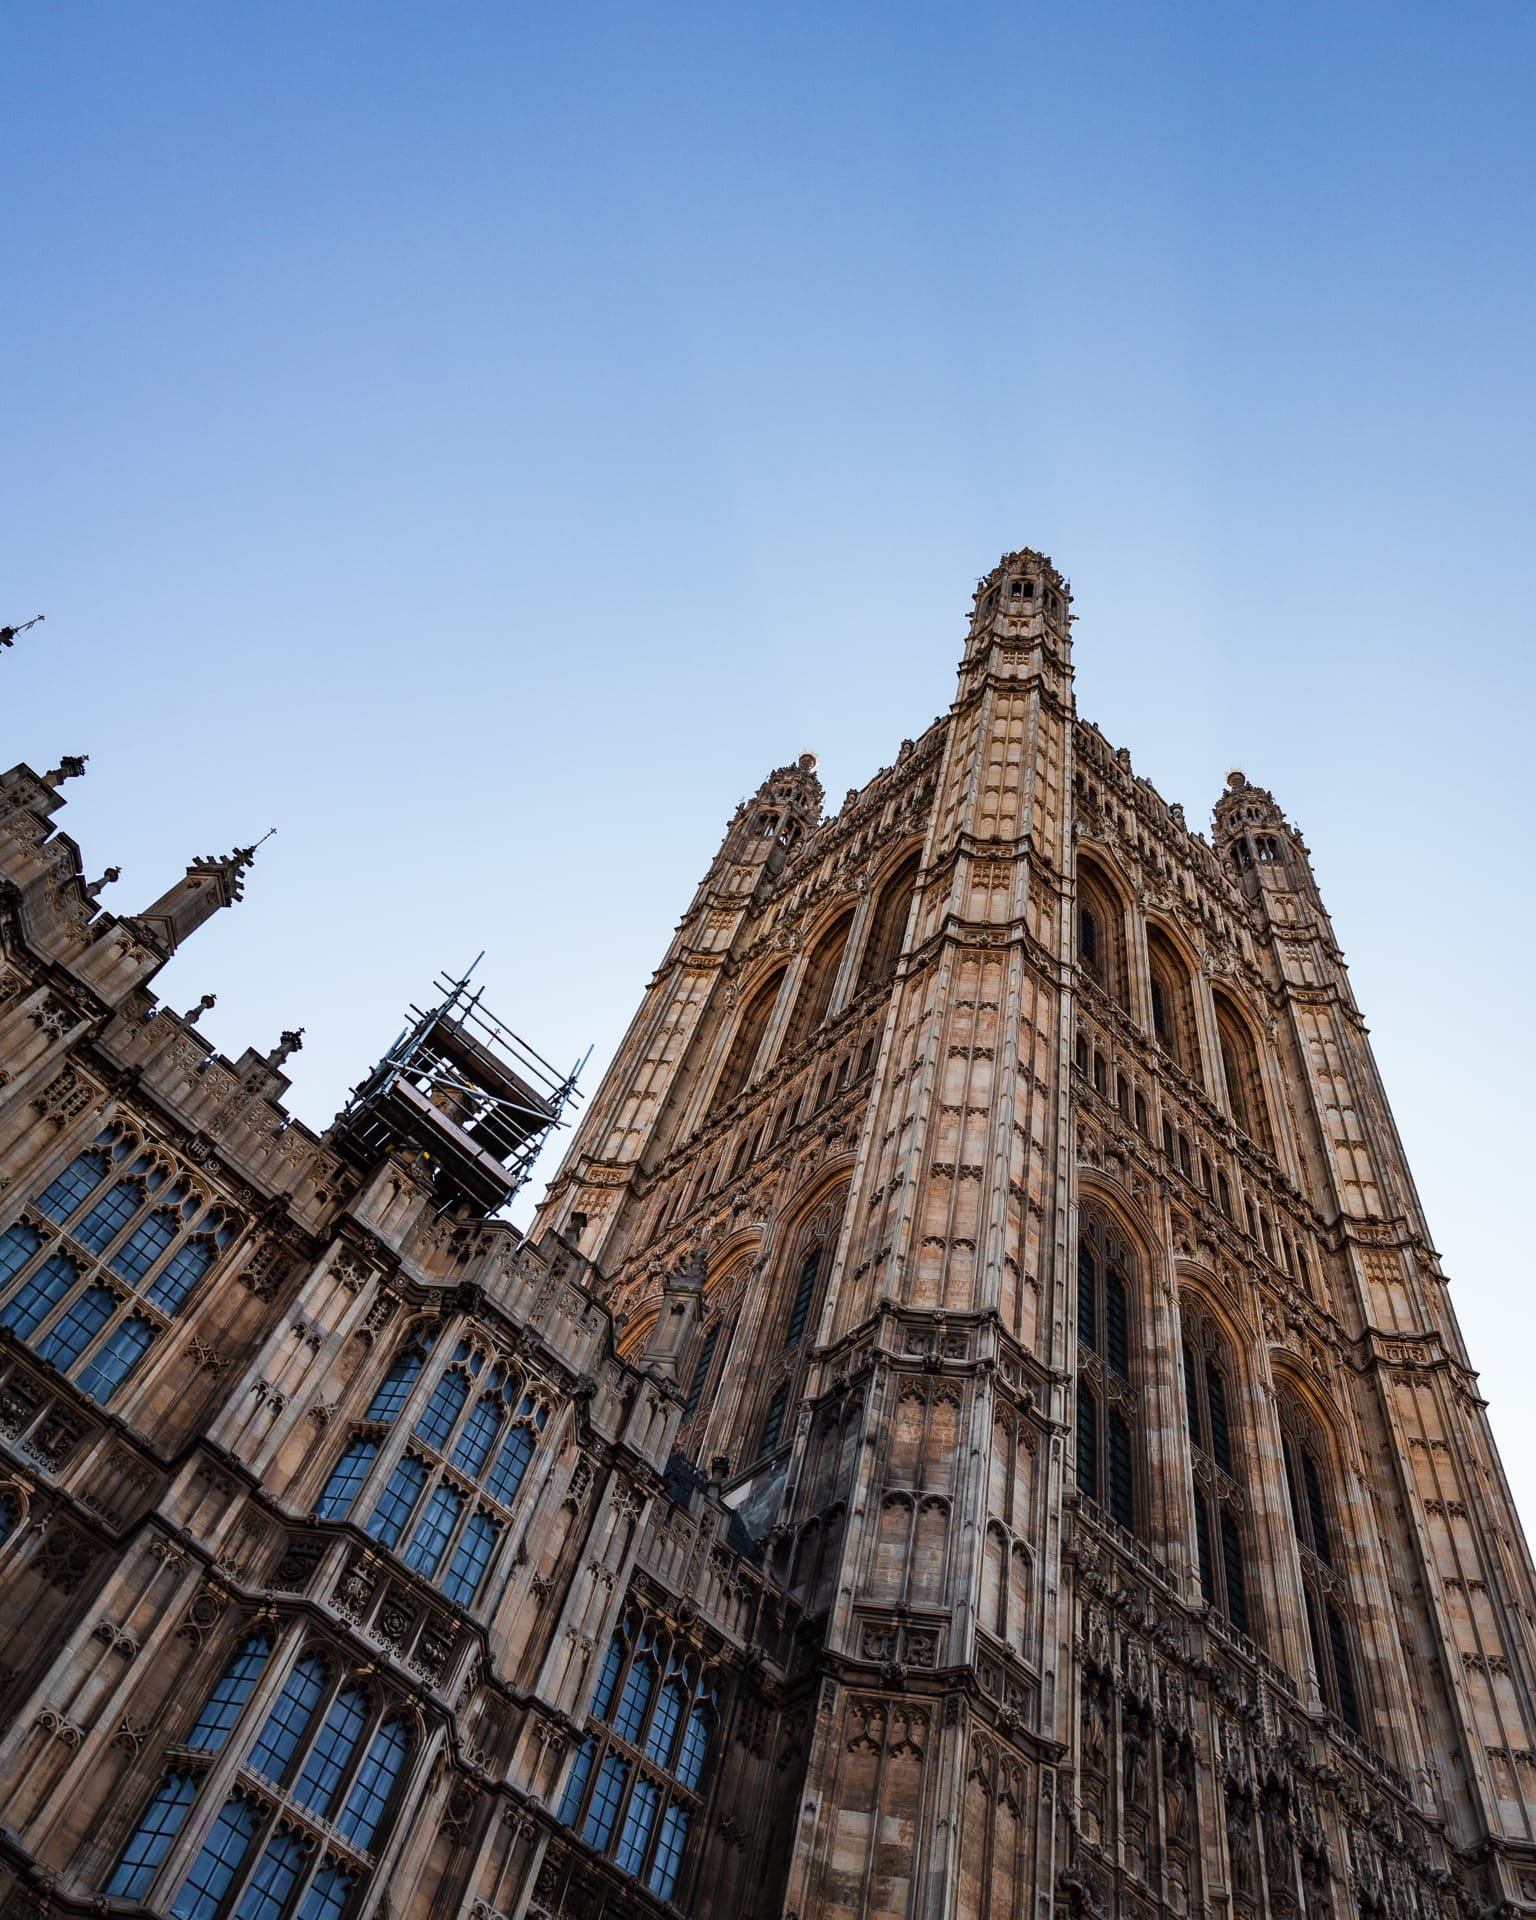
(350, 1472)
(180, 1274)
(78, 1179)
(110, 1215)
(328, 1895)
(70, 1335)
(216, 1866)
(230, 1695)
(42, 1293)
(116, 1358)
(613, 1659)
(277, 1873)
(669, 1852)
(10, 1513)
(480, 1431)
(695, 1748)
(395, 1389)
(17, 1246)
(630, 1717)
(397, 1501)
(638, 1822)
(576, 1786)
(331, 1755)
(443, 1409)
(664, 1724)
(145, 1244)
(375, 1783)
(288, 1722)
(151, 1839)
(606, 1795)
(511, 1464)
(463, 1578)
(430, 1540)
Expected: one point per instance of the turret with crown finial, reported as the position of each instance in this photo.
(207, 885)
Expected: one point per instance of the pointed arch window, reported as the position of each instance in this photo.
(1173, 1007)
(103, 1258)
(1219, 1490)
(1109, 1415)
(296, 1827)
(888, 925)
(443, 1504)
(1100, 930)
(635, 1780)
(814, 1000)
(227, 1701)
(1243, 1082)
(747, 1041)
(1330, 1615)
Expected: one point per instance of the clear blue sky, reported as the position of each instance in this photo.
(481, 440)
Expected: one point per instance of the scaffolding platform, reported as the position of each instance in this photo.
(463, 1092)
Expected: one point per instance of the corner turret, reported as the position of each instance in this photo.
(206, 886)
(766, 829)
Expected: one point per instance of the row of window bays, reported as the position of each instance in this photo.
(287, 1769)
(1203, 1028)
(851, 952)
(1277, 1554)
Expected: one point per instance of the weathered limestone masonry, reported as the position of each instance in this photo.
(1069, 1334)
(213, 1329)
(977, 1429)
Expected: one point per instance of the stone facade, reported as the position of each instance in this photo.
(976, 1429)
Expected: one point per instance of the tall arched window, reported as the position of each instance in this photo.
(634, 1787)
(1314, 1517)
(1221, 1553)
(1109, 1396)
(1100, 930)
(443, 1506)
(888, 925)
(747, 1041)
(1244, 1084)
(113, 1248)
(1173, 1007)
(820, 977)
(296, 1830)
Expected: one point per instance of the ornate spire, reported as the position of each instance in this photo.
(210, 883)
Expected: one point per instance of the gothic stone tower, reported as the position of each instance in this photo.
(1059, 1316)
(977, 1431)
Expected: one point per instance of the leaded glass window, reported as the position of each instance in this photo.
(93, 1300)
(152, 1838)
(634, 1782)
(227, 1701)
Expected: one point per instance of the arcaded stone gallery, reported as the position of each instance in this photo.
(975, 1430)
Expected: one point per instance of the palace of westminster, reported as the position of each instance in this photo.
(975, 1431)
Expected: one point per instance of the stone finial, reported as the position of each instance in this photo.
(97, 887)
(70, 767)
(206, 1005)
(291, 1042)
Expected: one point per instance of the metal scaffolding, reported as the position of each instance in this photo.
(465, 1093)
